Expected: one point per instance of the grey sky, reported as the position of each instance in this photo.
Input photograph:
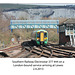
(54, 4)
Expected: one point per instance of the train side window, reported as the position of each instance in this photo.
(45, 34)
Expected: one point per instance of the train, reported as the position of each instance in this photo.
(39, 37)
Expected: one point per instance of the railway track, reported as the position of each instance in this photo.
(25, 53)
(20, 53)
(50, 51)
(8, 51)
(41, 52)
(11, 48)
(28, 50)
(63, 52)
(37, 52)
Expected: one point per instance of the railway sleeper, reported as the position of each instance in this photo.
(45, 51)
(44, 56)
(58, 56)
(56, 53)
(61, 52)
(68, 48)
(37, 52)
(27, 49)
(62, 55)
(66, 51)
(33, 56)
(28, 55)
(41, 54)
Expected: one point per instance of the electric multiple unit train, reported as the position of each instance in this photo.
(40, 37)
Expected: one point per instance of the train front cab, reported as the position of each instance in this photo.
(42, 38)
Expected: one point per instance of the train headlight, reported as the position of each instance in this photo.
(45, 39)
(37, 39)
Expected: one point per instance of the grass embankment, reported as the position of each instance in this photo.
(53, 36)
(26, 34)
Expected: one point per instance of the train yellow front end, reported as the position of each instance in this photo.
(41, 37)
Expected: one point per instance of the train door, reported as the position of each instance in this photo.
(41, 36)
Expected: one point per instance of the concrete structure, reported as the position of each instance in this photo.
(67, 32)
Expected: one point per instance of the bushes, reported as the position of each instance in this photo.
(26, 34)
(53, 36)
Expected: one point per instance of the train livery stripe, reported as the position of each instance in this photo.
(41, 36)
(45, 38)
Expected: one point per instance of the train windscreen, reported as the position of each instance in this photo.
(38, 35)
(45, 34)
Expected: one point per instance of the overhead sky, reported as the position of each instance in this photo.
(54, 4)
